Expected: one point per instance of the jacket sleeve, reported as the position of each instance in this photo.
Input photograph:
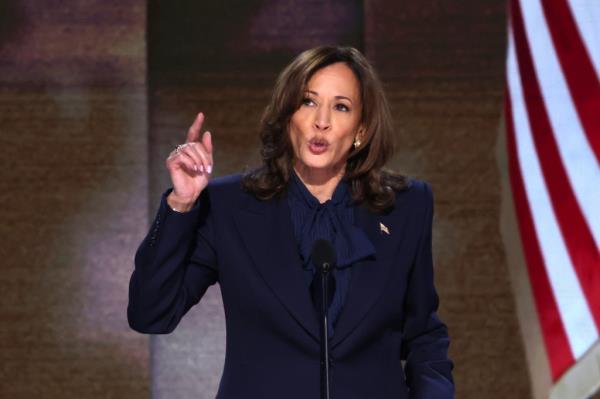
(425, 337)
(174, 265)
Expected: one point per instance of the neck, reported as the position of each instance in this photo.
(320, 183)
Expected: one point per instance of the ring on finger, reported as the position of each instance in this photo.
(179, 148)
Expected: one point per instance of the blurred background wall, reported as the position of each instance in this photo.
(74, 195)
(95, 94)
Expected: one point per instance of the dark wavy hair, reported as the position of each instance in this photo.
(370, 183)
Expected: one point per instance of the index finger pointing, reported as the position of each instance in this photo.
(194, 130)
(207, 141)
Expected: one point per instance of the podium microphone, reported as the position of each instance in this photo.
(324, 259)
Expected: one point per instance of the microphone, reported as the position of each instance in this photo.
(324, 259)
(323, 255)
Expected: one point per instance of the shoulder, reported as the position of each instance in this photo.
(416, 193)
(419, 187)
(414, 203)
(414, 206)
(227, 191)
(225, 184)
(228, 186)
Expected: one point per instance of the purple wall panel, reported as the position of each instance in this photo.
(74, 197)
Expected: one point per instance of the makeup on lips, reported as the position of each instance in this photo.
(318, 146)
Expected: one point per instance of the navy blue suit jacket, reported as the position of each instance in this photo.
(272, 330)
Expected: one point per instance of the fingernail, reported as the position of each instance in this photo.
(195, 168)
(209, 168)
(201, 168)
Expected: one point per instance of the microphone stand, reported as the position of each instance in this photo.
(324, 270)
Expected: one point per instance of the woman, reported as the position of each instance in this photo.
(326, 136)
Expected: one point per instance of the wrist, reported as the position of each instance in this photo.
(179, 204)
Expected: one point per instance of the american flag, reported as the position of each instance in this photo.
(552, 120)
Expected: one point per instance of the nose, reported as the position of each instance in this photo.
(322, 119)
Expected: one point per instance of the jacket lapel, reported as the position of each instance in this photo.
(267, 231)
(368, 276)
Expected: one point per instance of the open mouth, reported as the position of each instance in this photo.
(318, 146)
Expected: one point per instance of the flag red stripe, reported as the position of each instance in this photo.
(577, 67)
(574, 228)
(553, 331)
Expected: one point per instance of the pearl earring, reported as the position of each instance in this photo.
(356, 142)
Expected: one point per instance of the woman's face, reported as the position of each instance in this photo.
(323, 129)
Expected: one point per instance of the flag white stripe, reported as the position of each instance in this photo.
(587, 18)
(573, 307)
(577, 156)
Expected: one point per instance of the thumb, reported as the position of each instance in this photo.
(207, 141)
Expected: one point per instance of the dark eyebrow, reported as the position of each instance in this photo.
(338, 97)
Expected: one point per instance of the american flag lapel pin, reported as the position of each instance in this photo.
(384, 228)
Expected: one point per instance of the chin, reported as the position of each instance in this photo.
(317, 164)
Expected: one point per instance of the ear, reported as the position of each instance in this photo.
(360, 134)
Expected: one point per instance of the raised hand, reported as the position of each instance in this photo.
(190, 166)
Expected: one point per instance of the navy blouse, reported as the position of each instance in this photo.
(333, 221)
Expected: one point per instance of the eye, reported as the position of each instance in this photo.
(342, 107)
(307, 101)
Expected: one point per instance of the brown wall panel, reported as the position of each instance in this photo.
(73, 190)
(443, 66)
(76, 146)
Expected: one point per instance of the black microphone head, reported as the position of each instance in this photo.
(323, 255)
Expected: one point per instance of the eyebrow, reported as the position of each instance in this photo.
(338, 97)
